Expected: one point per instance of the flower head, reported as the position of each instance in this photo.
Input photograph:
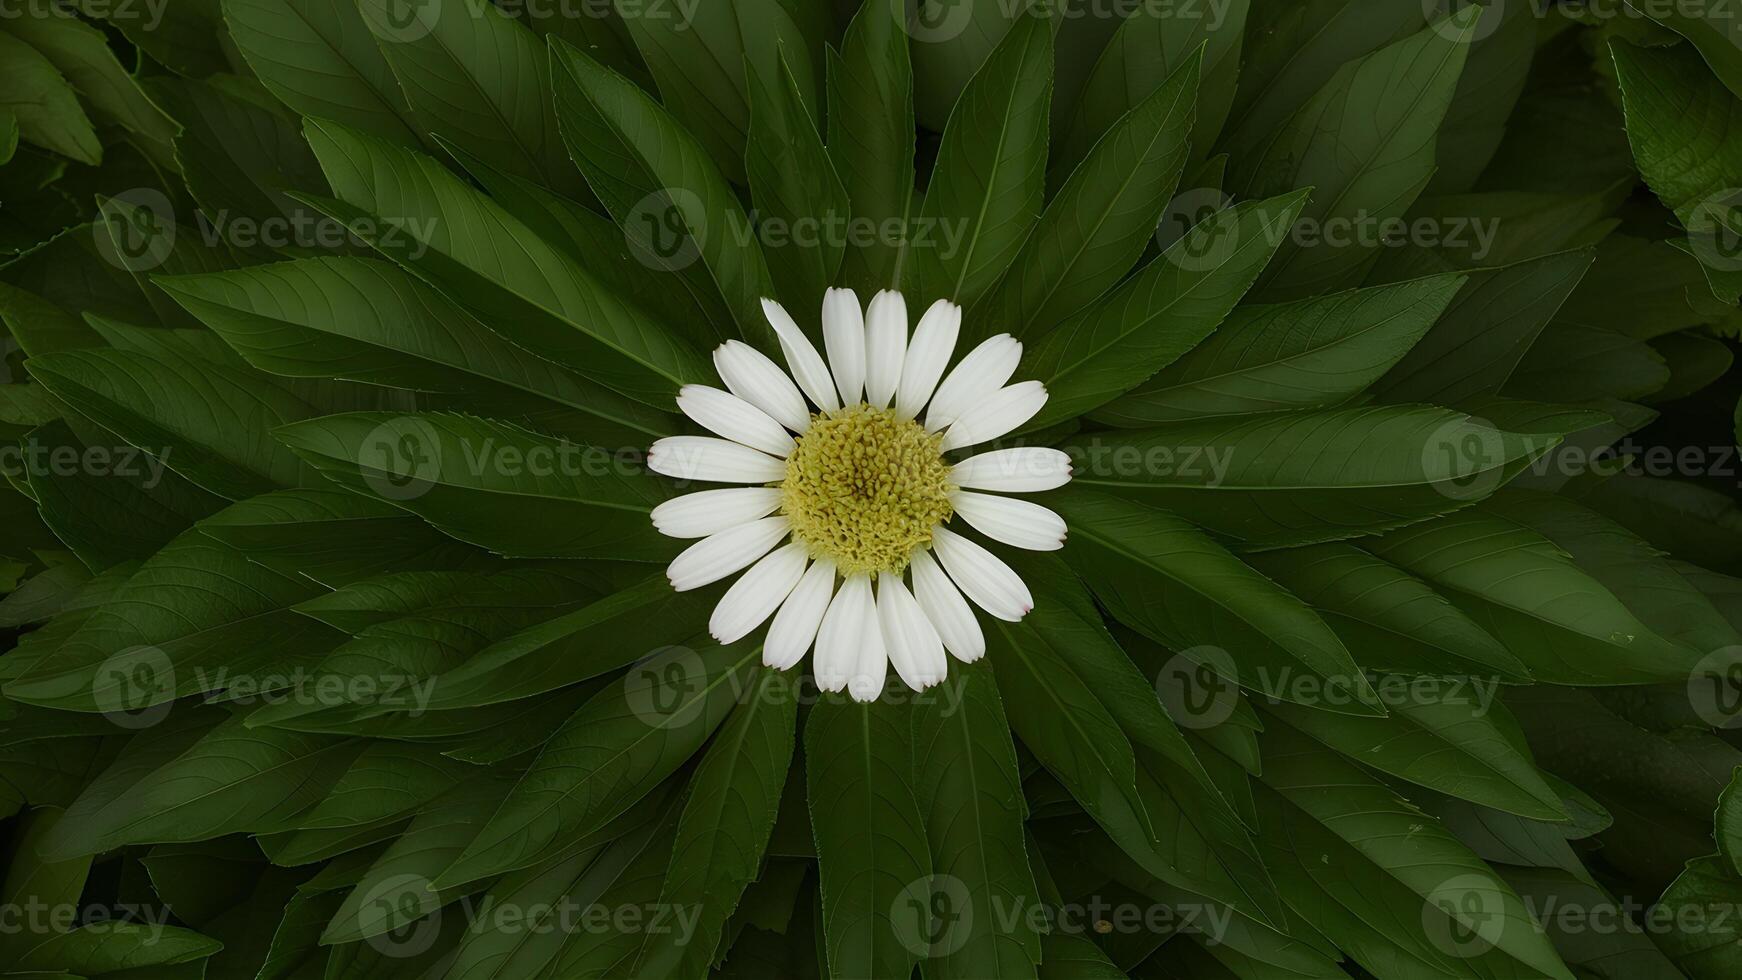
(847, 494)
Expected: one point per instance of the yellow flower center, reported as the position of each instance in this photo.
(865, 488)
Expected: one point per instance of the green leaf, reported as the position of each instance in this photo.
(872, 856)
(397, 889)
(82, 55)
(368, 321)
(1571, 363)
(32, 878)
(1309, 354)
(1365, 144)
(492, 484)
(193, 616)
(1445, 734)
(1348, 472)
(796, 190)
(1149, 46)
(320, 57)
(970, 795)
(1531, 596)
(234, 779)
(614, 750)
(426, 217)
(206, 421)
(697, 60)
(1158, 314)
(386, 780)
(725, 824)
(115, 948)
(630, 624)
(47, 109)
(674, 204)
(1480, 338)
(1713, 32)
(871, 139)
(1389, 619)
(1099, 222)
(987, 187)
(1169, 581)
(1450, 905)
(334, 537)
(475, 74)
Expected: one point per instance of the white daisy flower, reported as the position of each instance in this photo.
(846, 488)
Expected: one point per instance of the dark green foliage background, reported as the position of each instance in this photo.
(1407, 648)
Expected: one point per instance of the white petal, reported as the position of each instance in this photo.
(993, 585)
(795, 625)
(697, 515)
(999, 414)
(757, 593)
(844, 339)
(842, 634)
(725, 414)
(1018, 523)
(869, 675)
(713, 460)
(927, 356)
(914, 648)
(719, 555)
(982, 372)
(807, 365)
(885, 346)
(1025, 469)
(752, 376)
(947, 610)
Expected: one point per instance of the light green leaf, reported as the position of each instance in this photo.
(1483, 334)
(1365, 144)
(1389, 619)
(725, 824)
(1161, 312)
(529, 290)
(208, 422)
(674, 204)
(1150, 45)
(368, 321)
(321, 58)
(986, 189)
(1169, 581)
(872, 855)
(1347, 472)
(1309, 354)
(1099, 222)
(970, 794)
(477, 75)
(794, 185)
(1531, 596)
(492, 484)
(871, 138)
(47, 109)
(614, 750)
